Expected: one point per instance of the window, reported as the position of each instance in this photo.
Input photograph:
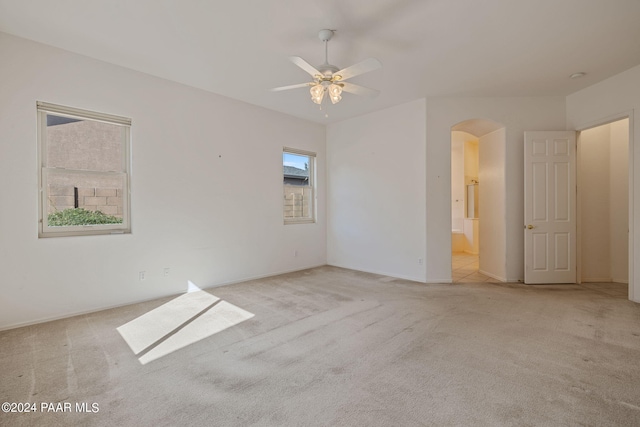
(298, 171)
(83, 172)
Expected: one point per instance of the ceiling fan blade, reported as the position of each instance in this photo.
(359, 68)
(358, 90)
(305, 66)
(278, 89)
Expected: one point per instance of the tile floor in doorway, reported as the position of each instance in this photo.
(464, 268)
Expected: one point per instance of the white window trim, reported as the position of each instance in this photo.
(87, 230)
(312, 175)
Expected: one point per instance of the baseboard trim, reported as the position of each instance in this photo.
(625, 281)
(493, 276)
(381, 273)
(596, 280)
(95, 310)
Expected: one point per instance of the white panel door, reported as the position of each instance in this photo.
(550, 207)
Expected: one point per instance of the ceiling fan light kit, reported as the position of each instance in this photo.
(317, 93)
(329, 79)
(335, 90)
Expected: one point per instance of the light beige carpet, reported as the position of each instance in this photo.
(329, 346)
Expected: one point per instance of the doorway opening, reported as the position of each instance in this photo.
(603, 206)
(478, 241)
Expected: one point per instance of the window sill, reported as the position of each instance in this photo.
(299, 221)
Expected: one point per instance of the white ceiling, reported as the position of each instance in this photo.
(240, 49)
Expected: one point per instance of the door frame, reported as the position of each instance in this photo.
(589, 125)
(503, 171)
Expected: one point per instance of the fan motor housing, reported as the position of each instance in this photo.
(327, 69)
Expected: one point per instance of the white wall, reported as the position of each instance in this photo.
(610, 99)
(594, 204)
(457, 179)
(603, 197)
(376, 187)
(188, 147)
(516, 115)
(619, 201)
(492, 151)
(471, 160)
(471, 236)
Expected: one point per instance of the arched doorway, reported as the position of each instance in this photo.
(478, 201)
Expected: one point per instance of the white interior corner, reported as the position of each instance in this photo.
(389, 178)
(204, 187)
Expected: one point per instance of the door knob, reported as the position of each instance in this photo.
(531, 226)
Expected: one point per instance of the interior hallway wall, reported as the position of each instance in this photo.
(187, 146)
(603, 191)
(603, 102)
(594, 170)
(457, 179)
(471, 222)
(493, 234)
(619, 200)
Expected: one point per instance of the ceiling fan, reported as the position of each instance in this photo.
(330, 79)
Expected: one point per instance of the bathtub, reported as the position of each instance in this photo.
(457, 241)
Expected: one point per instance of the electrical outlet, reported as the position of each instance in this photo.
(142, 275)
(295, 252)
(420, 261)
(166, 271)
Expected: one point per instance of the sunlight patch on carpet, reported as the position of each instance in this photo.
(185, 320)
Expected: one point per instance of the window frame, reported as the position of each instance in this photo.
(312, 181)
(44, 230)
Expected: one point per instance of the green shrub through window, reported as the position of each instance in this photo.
(80, 216)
